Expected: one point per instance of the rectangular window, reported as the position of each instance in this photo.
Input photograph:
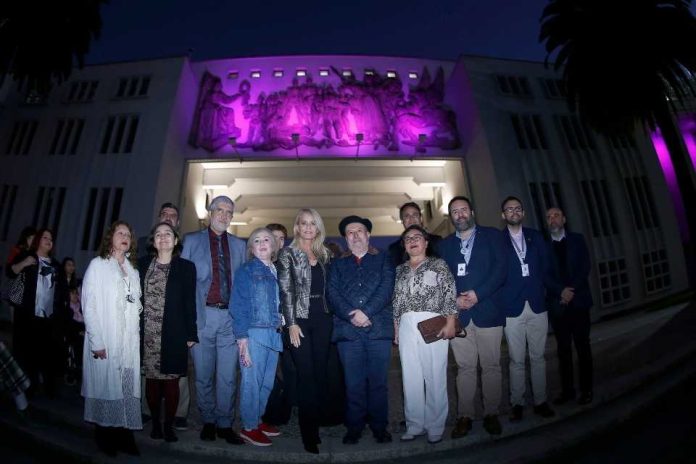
(553, 88)
(66, 137)
(133, 87)
(529, 131)
(48, 207)
(21, 137)
(613, 282)
(8, 195)
(642, 203)
(103, 208)
(600, 208)
(513, 85)
(82, 91)
(544, 195)
(576, 134)
(119, 133)
(656, 271)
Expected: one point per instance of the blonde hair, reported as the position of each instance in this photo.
(322, 253)
(252, 237)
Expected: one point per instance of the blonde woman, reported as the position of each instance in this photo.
(302, 271)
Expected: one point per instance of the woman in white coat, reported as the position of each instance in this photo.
(111, 362)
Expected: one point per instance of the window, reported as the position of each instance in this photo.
(21, 137)
(599, 207)
(529, 131)
(119, 134)
(613, 281)
(255, 74)
(82, 91)
(642, 203)
(133, 87)
(277, 73)
(301, 73)
(49, 207)
(576, 134)
(545, 195)
(656, 271)
(8, 195)
(67, 137)
(553, 88)
(622, 141)
(513, 85)
(103, 208)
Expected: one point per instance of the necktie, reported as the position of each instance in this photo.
(224, 273)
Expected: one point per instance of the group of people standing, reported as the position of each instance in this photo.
(245, 308)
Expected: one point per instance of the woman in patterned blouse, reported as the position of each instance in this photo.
(424, 289)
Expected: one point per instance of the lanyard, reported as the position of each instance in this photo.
(521, 252)
(466, 246)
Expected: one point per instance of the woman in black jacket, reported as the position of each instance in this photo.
(168, 324)
(35, 342)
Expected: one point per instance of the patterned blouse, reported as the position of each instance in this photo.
(430, 287)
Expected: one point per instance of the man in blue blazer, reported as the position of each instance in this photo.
(522, 298)
(216, 254)
(570, 300)
(476, 259)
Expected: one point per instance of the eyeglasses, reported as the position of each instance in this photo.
(513, 209)
(413, 238)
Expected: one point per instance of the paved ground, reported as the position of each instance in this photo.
(638, 357)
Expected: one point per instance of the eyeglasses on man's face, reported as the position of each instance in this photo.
(513, 209)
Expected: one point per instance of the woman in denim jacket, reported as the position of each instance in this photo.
(256, 323)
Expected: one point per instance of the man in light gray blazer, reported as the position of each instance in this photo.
(217, 255)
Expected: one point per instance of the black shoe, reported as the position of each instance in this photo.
(230, 436)
(105, 442)
(564, 398)
(127, 442)
(543, 410)
(516, 413)
(311, 448)
(462, 427)
(208, 432)
(169, 434)
(180, 423)
(351, 438)
(382, 436)
(585, 398)
(492, 424)
(156, 433)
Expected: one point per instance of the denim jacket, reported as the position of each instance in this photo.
(255, 302)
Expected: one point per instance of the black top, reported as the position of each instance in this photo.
(316, 293)
(561, 252)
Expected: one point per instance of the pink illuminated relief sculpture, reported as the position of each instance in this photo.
(373, 112)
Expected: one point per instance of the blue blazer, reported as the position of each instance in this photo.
(485, 274)
(517, 289)
(578, 267)
(197, 250)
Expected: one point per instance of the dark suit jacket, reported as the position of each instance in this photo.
(485, 274)
(179, 319)
(518, 289)
(578, 270)
(31, 274)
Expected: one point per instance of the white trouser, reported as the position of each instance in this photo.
(424, 373)
(527, 330)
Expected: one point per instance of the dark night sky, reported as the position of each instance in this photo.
(440, 29)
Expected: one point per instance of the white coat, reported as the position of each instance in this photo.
(111, 323)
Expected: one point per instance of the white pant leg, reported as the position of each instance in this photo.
(434, 365)
(537, 329)
(516, 336)
(412, 373)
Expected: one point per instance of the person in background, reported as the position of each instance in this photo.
(26, 236)
(280, 234)
(111, 363)
(74, 336)
(257, 323)
(410, 214)
(424, 288)
(168, 324)
(36, 347)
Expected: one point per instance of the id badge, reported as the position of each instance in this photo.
(525, 270)
(461, 269)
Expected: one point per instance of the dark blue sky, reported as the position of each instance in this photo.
(440, 29)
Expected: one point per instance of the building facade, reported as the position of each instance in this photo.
(343, 134)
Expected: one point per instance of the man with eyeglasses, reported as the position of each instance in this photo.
(217, 254)
(474, 255)
(410, 214)
(522, 298)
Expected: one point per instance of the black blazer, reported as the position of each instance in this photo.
(31, 274)
(578, 267)
(179, 319)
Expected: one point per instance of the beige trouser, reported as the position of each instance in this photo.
(481, 345)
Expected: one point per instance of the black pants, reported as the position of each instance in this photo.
(572, 325)
(311, 361)
(36, 350)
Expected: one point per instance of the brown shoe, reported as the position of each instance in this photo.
(462, 428)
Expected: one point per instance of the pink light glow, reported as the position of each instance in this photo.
(687, 124)
(671, 180)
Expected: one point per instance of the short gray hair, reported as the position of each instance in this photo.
(220, 199)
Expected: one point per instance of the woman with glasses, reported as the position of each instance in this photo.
(111, 361)
(424, 288)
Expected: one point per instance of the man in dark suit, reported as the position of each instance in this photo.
(570, 300)
(522, 298)
(410, 214)
(217, 254)
(475, 257)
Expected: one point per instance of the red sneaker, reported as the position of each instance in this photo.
(269, 430)
(255, 437)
